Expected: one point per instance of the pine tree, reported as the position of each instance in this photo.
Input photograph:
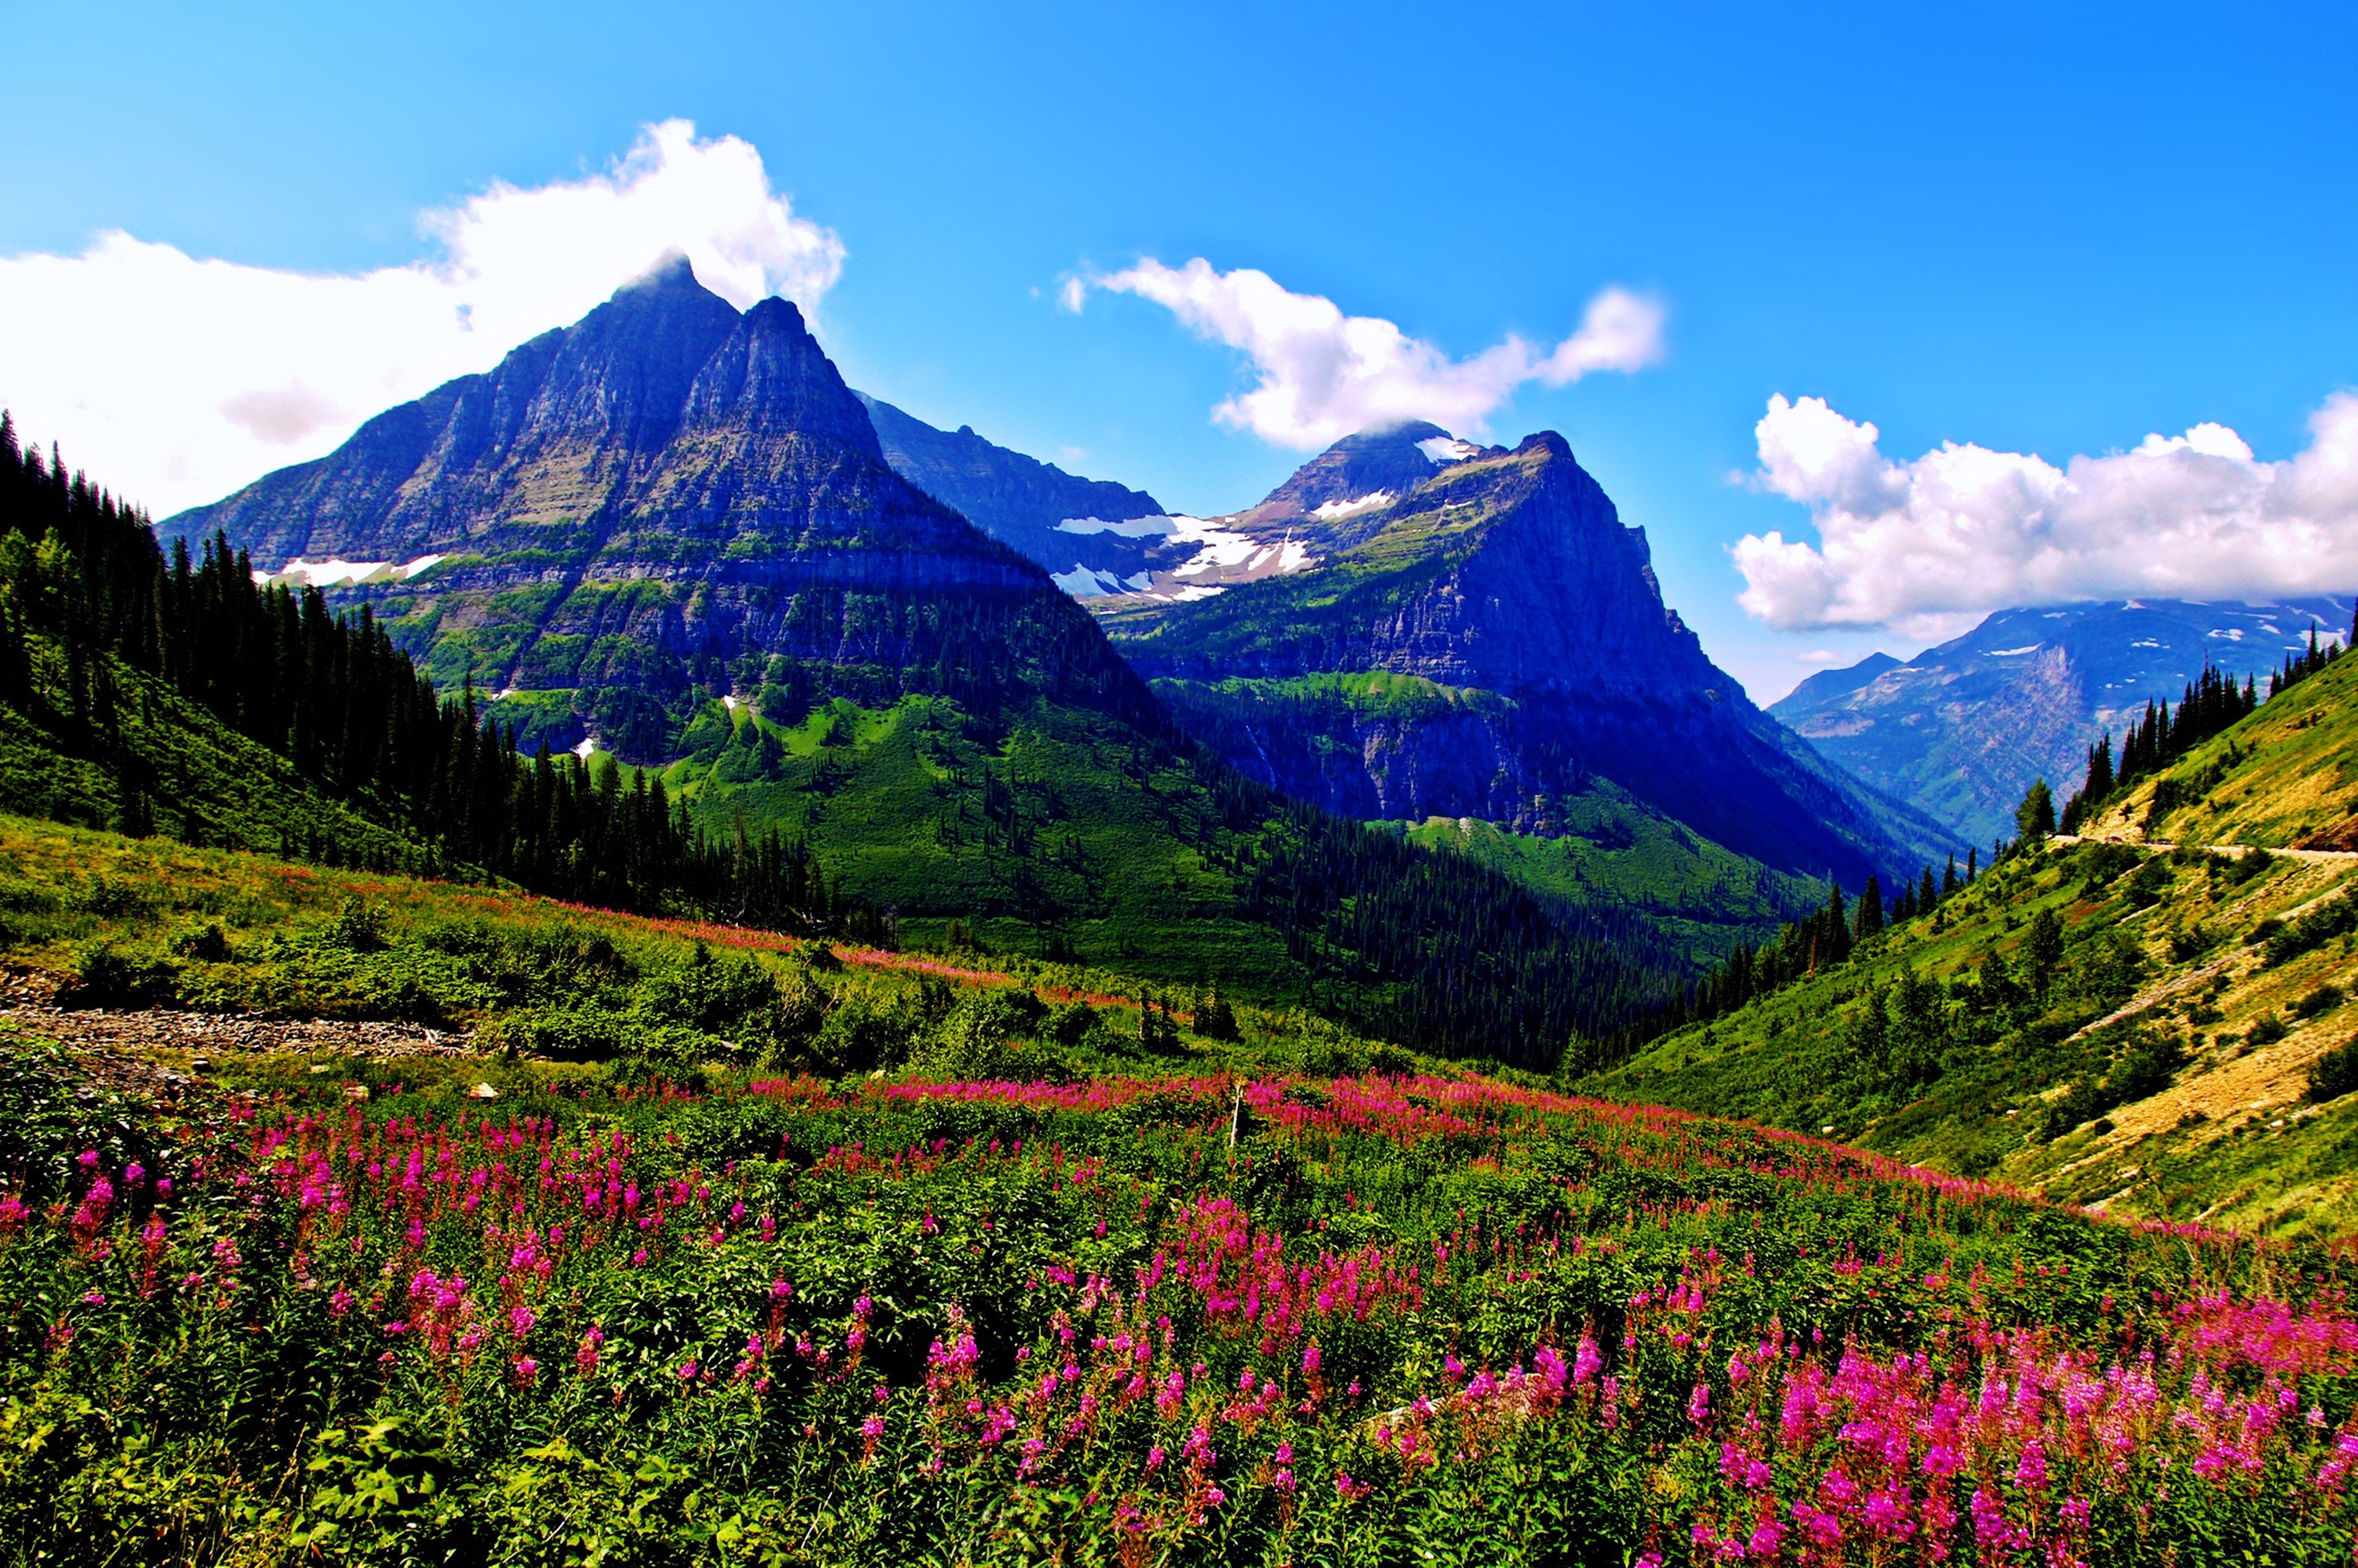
(2034, 819)
(1870, 910)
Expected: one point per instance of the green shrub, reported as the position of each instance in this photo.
(103, 977)
(359, 926)
(2267, 1029)
(205, 944)
(2335, 1074)
(2324, 998)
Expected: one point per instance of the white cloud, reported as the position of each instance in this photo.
(1324, 374)
(1923, 546)
(174, 379)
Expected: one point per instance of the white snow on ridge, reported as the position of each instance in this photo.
(1445, 450)
(1334, 509)
(588, 744)
(341, 573)
(1130, 528)
(1082, 581)
(2011, 652)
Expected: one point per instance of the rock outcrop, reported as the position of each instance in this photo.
(1024, 502)
(1504, 584)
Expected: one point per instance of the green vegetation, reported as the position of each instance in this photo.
(2287, 775)
(986, 758)
(1617, 854)
(2160, 1030)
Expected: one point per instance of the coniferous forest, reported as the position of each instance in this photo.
(334, 696)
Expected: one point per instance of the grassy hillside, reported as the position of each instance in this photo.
(132, 923)
(2285, 775)
(2152, 1030)
(1618, 854)
(144, 757)
(1055, 833)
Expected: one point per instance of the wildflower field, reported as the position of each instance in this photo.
(1124, 1320)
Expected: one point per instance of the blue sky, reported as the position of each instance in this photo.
(2041, 232)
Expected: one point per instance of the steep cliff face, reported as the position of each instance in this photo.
(668, 493)
(1962, 728)
(1505, 583)
(1026, 504)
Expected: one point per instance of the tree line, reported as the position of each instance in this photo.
(82, 572)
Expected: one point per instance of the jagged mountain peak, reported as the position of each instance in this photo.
(770, 375)
(1384, 462)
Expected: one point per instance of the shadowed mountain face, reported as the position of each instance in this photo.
(1487, 642)
(1026, 504)
(1962, 728)
(668, 493)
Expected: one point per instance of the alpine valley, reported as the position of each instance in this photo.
(654, 962)
(672, 535)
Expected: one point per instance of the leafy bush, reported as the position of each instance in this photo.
(359, 926)
(106, 978)
(2323, 998)
(2336, 918)
(2335, 1074)
(2267, 1029)
(2150, 883)
(204, 943)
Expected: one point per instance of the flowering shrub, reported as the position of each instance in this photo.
(1135, 1321)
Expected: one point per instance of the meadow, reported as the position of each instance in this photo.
(1193, 1313)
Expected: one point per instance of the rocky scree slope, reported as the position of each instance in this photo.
(1486, 644)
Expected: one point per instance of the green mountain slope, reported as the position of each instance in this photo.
(1616, 854)
(2152, 1029)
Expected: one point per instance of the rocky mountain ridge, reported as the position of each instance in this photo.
(1962, 729)
(1486, 644)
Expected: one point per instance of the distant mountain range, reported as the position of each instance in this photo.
(1091, 536)
(1962, 728)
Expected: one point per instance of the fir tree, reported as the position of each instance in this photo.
(1870, 910)
(2034, 819)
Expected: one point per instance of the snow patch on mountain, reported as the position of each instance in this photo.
(1334, 508)
(341, 573)
(1126, 528)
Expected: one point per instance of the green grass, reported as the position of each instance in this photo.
(2287, 771)
(1973, 1070)
(1617, 853)
(1058, 832)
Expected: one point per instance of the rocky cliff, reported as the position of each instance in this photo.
(1026, 504)
(666, 494)
(1484, 643)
